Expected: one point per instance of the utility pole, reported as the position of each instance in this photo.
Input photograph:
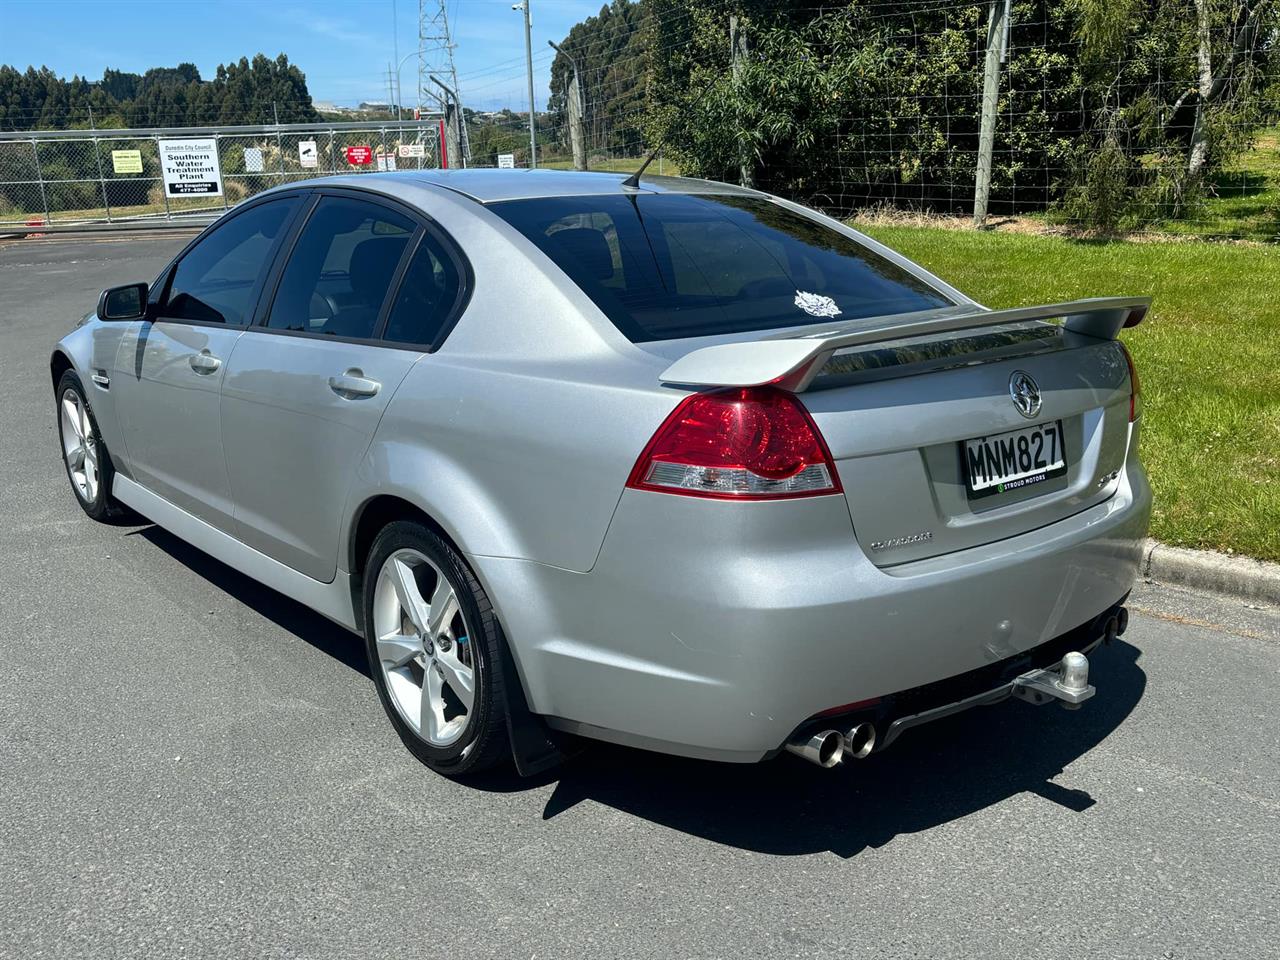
(452, 120)
(573, 103)
(738, 54)
(997, 31)
(528, 53)
(395, 55)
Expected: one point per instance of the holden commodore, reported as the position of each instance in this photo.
(663, 462)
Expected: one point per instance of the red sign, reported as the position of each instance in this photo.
(359, 155)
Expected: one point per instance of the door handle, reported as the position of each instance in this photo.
(204, 363)
(354, 384)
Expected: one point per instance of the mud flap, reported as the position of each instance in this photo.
(535, 747)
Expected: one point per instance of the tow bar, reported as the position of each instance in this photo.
(1066, 681)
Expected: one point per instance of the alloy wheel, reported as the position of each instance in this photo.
(424, 648)
(79, 446)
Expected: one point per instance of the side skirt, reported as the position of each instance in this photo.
(332, 600)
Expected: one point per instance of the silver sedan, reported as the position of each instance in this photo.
(666, 462)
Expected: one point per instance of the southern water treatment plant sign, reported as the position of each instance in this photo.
(190, 167)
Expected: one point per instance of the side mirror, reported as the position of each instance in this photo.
(123, 303)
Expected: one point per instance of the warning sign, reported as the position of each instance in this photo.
(506, 161)
(307, 155)
(190, 167)
(126, 161)
(359, 155)
(252, 159)
(410, 150)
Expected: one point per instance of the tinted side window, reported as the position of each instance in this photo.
(218, 278)
(340, 269)
(426, 296)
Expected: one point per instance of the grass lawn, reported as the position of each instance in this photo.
(659, 167)
(1246, 203)
(1208, 355)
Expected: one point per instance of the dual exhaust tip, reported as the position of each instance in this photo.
(827, 748)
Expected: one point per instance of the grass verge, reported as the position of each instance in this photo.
(1208, 355)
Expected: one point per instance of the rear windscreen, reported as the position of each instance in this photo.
(665, 266)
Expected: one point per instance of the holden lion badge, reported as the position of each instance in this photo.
(816, 305)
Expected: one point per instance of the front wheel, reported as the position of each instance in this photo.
(84, 454)
(434, 650)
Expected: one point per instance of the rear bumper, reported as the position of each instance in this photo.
(716, 629)
(895, 714)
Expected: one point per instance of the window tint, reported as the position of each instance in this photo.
(663, 266)
(340, 269)
(426, 296)
(216, 281)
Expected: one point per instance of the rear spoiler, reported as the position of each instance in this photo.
(793, 362)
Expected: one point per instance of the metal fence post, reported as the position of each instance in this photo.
(164, 191)
(990, 100)
(44, 197)
(333, 153)
(279, 144)
(102, 178)
(738, 56)
(217, 149)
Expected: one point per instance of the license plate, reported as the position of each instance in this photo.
(1010, 461)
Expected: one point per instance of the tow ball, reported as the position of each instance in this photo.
(1066, 681)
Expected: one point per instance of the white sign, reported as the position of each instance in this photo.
(190, 167)
(506, 161)
(408, 150)
(386, 161)
(308, 155)
(252, 159)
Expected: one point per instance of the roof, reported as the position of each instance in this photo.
(490, 185)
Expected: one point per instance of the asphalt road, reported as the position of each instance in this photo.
(194, 766)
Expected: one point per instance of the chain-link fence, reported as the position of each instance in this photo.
(77, 177)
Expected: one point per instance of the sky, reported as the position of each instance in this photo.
(343, 46)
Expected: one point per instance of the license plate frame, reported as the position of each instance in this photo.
(981, 481)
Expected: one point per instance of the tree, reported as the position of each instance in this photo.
(242, 92)
(611, 60)
(1118, 110)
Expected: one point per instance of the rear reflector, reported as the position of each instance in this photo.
(1135, 387)
(754, 443)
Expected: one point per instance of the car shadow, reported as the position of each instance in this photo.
(303, 622)
(932, 775)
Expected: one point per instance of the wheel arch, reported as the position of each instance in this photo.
(534, 746)
(59, 363)
(375, 513)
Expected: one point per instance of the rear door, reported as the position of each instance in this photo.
(169, 371)
(356, 304)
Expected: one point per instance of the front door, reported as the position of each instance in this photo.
(304, 393)
(169, 370)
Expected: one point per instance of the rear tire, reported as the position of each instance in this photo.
(434, 648)
(84, 455)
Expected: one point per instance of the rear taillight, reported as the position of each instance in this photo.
(1135, 387)
(756, 443)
